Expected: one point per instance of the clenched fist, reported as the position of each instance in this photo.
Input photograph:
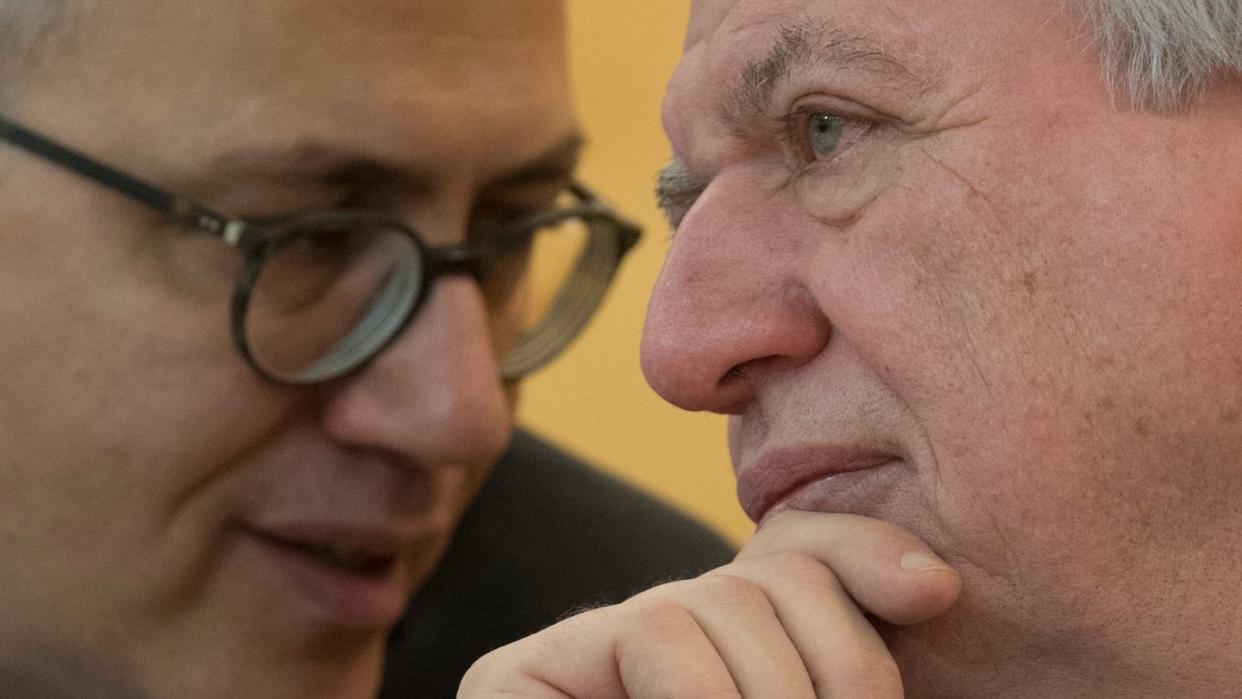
(785, 619)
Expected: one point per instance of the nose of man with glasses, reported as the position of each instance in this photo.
(318, 295)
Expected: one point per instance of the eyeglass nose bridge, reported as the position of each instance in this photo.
(452, 260)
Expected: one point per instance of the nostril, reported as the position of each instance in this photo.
(743, 373)
(735, 387)
(733, 375)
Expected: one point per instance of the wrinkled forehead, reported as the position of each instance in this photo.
(894, 50)
(737, 32)
(438, 42)
(434, 79)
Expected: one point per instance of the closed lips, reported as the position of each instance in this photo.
(778, 474)
(367, 560)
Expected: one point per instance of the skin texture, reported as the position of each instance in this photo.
(1026, 299)
(135, 441)
(1030, 296)
(752, 628)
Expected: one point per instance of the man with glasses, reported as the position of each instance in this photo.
(265, 302)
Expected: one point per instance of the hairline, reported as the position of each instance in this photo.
(1162, 55)
(1146, 65)
(33, 35)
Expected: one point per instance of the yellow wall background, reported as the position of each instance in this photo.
(594, 400)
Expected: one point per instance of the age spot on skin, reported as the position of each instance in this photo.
(1028, 281)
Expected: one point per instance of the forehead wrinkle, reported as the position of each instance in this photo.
(806, 45)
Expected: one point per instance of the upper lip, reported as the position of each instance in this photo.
(778, 473)
(377, 541)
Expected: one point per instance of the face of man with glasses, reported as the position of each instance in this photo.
(266, 294)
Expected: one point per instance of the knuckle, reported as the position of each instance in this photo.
(480, 674)
(487, 663)
(727, 589)
(792, 565)
(652, 614)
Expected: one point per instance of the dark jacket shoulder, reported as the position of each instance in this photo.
(547, 535)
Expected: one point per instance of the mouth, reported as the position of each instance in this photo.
(347, 558)
(350, 578)
(818, 478)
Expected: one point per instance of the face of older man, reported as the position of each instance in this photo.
(164, 512)
(936, 278)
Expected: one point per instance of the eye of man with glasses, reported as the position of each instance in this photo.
(317, 295)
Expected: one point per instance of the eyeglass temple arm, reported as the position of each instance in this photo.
(629, 231)
(179, 208)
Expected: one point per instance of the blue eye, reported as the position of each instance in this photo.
(824, 133)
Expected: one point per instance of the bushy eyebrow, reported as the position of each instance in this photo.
(677, 188)
(804, 47)
(799, 48)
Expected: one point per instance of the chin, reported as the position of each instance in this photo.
(943, 658)
(333, 668)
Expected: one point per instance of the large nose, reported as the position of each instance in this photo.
(731, 306)
(434, 396)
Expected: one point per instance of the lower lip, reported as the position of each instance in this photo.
(851, 492)
(344, 599)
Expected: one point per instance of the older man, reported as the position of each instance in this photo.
(263, 310)
(969, 271)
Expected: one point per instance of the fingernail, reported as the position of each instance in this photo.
(917, 561)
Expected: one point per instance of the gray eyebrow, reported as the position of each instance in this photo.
(800, 47)
(677, 188)
(803, 47)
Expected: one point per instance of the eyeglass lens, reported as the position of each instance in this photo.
(325, 301)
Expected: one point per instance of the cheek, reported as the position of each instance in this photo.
(175, 383)
(121, 381)
(124, 404)
(917, 284)
(1047, 368)
(838, 192)
(930, 287)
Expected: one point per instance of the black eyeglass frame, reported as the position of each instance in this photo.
(255, 239)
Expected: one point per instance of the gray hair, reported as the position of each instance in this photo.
(32, 33)
(1163, 54)
(1157, 54)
